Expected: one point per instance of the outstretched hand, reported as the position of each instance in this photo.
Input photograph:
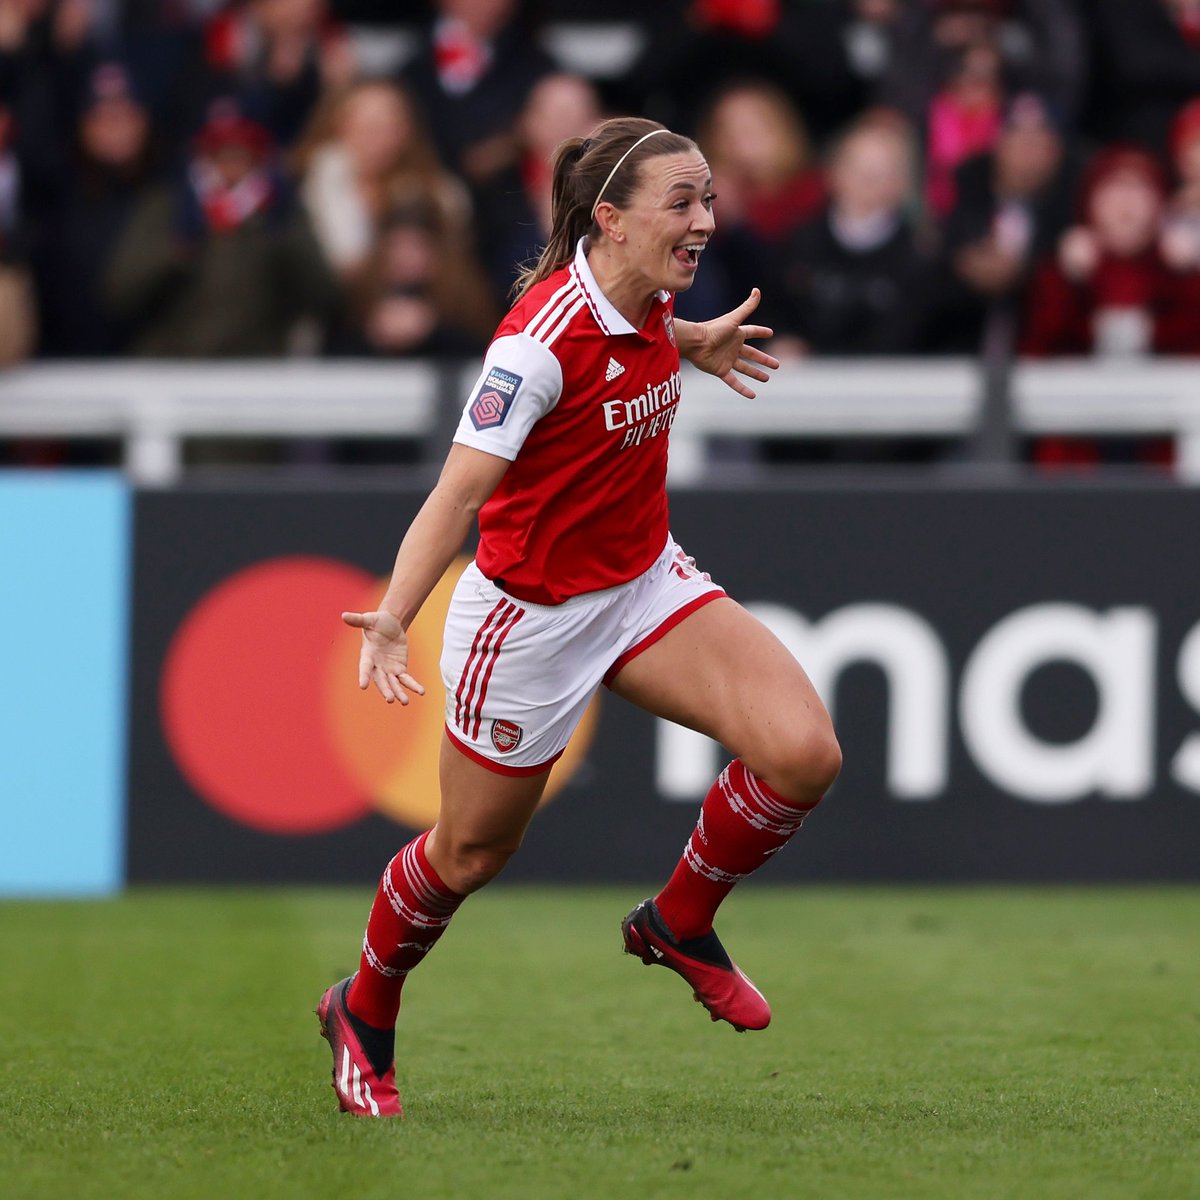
(721, 347)
(383, 659)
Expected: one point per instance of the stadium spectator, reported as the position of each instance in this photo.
(757, 144)
(577, 582)
(514, 223)
(471, 78)
(10, 177)
(1181, 232)
(45, 49)
(420, 295)
(366, 155)
(83, 217)
(954, 62)
(1012, 206)
(1040, 45)
(163, 44)
(868, 34)
(1109, 290)
(224, 262)
(963, 120)
(696, 48)
(18, 323)
(851, 280)
(1147, 66)
(767, 186)
(17, 320)
(274, 57)
(54, 34)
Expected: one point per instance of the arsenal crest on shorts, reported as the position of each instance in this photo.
(506, 736)
(669, 324)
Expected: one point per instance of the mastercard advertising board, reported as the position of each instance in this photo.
(1014, 674)
(263, 717)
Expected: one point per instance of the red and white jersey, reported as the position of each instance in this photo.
(581, 403)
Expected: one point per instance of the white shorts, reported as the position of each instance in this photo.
(519, 676)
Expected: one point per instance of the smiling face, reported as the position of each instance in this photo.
(664, 228)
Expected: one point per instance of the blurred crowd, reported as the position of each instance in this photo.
(222, 178)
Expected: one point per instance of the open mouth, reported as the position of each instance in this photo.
(689, 254)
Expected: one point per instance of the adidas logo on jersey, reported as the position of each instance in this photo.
(613, 369)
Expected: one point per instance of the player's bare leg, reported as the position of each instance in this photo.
(481, 821)
(722, 672)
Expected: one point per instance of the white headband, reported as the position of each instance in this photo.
(600, 193)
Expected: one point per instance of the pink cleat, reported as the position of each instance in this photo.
(716, 982)
(360, 1088)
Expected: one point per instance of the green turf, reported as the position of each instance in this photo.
(957, 1043)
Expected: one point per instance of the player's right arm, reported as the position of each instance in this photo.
(520, 382)
(436, 535)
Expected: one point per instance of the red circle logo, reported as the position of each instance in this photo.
(263, 716)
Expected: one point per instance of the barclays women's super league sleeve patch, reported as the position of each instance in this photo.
(494, 398)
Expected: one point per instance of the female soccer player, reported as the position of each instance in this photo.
(561, 455)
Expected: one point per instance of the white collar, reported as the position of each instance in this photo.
(863, 234)
(607, 317)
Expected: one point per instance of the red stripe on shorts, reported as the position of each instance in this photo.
(660, 632)
(474, 731)
(481, 659)
(462, 683)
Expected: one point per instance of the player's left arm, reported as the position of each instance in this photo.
(721, 348)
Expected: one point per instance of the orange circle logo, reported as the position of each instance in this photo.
(263, 715)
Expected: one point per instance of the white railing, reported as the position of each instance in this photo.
(154, 407)
(1161, 396)
(825, 399)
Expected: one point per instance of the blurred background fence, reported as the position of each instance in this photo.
(143, 415)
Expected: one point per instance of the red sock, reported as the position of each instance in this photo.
(412, 909)
(742, 823)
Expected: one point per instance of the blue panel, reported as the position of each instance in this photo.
(64, 615)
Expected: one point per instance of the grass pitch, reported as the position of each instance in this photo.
(948, 1043)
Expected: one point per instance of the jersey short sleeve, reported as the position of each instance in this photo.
(520, 383)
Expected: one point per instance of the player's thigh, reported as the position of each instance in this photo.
(723, 672)
(482, 818)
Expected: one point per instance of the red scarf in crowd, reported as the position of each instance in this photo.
(461, 58)
(225, 208)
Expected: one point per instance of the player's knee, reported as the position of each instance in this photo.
(472, 867)
(804, 767)
(826, 761)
